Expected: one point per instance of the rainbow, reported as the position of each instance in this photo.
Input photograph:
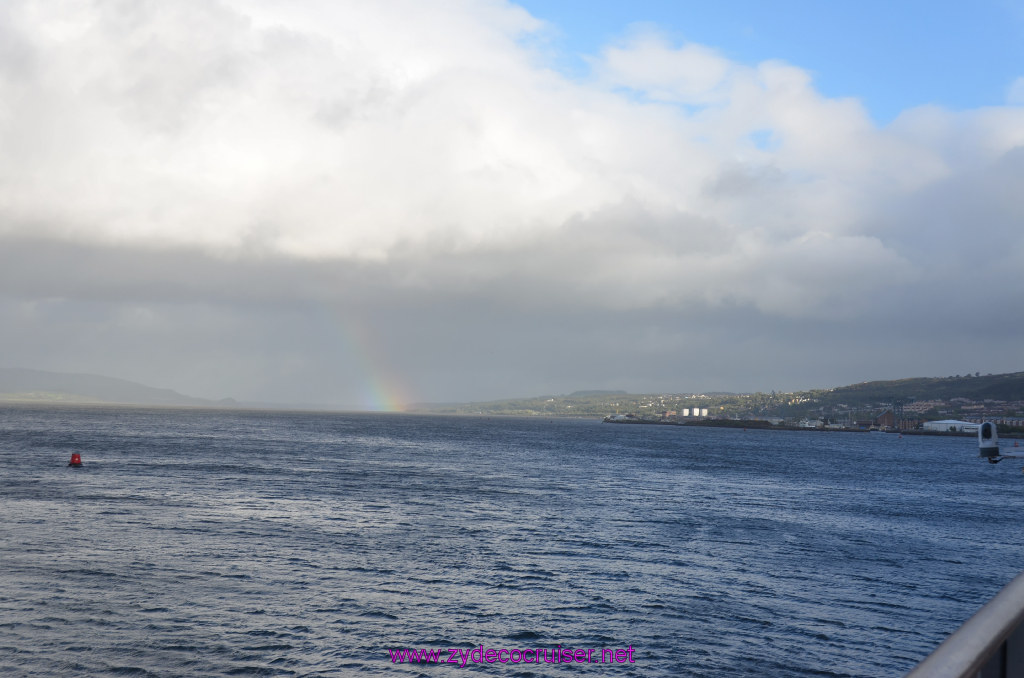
(380, 389)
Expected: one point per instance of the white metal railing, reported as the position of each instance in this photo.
(989, 645)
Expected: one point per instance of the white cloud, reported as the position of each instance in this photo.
(1015, 92)
(691, 74)
(344, 129)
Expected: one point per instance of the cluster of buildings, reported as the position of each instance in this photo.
(685, 413)
(959, 414)
(888, 421)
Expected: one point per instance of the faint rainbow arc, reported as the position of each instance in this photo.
(381, 389)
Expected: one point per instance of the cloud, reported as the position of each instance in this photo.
(395, 160)
(647, 63)
(1015, 92)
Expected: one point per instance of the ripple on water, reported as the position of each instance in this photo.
(234, 543)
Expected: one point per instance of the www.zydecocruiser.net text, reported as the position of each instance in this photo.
(478, 655)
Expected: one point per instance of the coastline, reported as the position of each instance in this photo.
(760, 425)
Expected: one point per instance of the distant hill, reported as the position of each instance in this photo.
(24, 385)
(584, 394)
(997, 392)
(981, 387)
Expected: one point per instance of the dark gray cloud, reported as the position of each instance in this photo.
(357, 335)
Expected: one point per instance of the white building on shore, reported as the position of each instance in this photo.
(950, 425)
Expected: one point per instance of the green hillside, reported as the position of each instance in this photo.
(1007, 387)
(998, 394)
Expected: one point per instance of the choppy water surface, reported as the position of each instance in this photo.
(223, 543)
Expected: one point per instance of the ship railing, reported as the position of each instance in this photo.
(989, 645)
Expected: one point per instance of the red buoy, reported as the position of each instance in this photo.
(76, 460)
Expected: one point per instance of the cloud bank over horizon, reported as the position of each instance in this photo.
(311, 201)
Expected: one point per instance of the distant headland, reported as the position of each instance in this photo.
(902, 404)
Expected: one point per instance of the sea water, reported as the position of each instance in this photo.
(215, 543)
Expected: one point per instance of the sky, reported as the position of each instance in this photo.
(372, 204)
